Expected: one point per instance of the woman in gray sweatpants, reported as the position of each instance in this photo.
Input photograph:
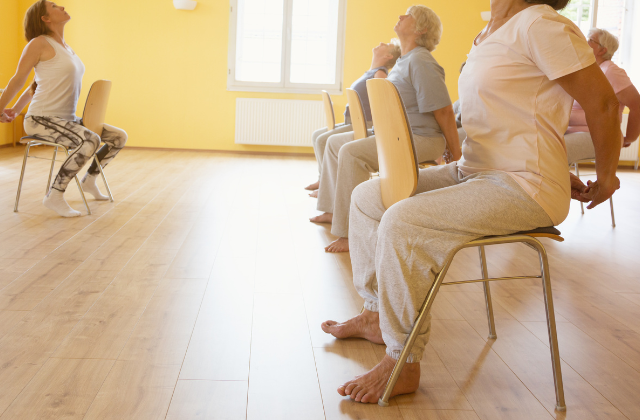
(513, 176)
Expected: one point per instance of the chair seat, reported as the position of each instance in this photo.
(543, 232)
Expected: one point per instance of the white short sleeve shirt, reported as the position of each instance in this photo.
(513, 111)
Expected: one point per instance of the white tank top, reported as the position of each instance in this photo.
(59, 83)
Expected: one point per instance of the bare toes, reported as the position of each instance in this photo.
(326, 325)
(361, 394)
(341, 391)
(348, 390)
(354, 392)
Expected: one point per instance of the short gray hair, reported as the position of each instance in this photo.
(607, 40)
(426, 19)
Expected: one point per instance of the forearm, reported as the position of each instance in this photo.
(13, 88)
(633, 126)
(605, 134)
(447, 121)
(21, 103)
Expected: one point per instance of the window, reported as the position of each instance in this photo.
(604, 14)
(286, 45)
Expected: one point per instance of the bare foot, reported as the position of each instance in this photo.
(366, 325)
(368, 388)
(323, 218)
(313, 186)
(339, 245)
(314, 194)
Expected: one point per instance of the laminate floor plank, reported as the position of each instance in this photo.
(209, 400)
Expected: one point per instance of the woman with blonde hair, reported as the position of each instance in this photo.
(420, 81)
(54, 98)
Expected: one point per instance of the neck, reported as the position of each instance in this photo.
(407, 45)
(57, 33)
(600, 60)
(375, 63)
(502, 10)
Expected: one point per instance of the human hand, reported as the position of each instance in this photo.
(627, 142)
(447, 156)
(7, 115)
(600, 191)
(578, 189)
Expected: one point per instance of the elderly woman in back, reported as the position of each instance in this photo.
(578, 137)
(384, 58)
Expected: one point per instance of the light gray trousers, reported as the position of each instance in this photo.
(319, 140)
(348, 163)
(579, 147)
(396, 254)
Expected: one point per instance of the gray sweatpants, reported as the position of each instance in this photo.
(579, 147)
(348, 163)
(319, 140)
(396, 254)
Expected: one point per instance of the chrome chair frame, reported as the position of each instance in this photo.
(30, 141)
(577, 169)
(531, 242)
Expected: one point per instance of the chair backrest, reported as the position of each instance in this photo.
(328, 110)
(95, 109)
(396, 151)
(358, 120)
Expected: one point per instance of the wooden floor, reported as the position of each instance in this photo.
(199, 294)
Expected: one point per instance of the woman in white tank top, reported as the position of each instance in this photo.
(54, 97)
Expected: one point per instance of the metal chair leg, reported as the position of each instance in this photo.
(613, 216)
(104, 178)
(421, 318)
(577, 168)
(487, 293)
(53, 162)
(81, 192)
(24, 165)
(551, 327)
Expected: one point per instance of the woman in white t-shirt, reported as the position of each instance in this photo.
(54, 98)
(516, 91)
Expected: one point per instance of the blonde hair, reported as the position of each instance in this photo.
(607, 40)
(395, 51)
(426, 19)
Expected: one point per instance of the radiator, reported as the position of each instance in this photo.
(277, 122)
(629, 153)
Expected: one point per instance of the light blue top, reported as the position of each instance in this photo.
(360, 86)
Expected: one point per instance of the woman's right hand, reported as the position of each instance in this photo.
(8, 115)
(600, 192)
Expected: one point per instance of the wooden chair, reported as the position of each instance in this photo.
(358, 119)
(93, 117)
(399, 180)
(328, 110)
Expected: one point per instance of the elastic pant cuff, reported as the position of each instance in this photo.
(371, 306)
(395, 355)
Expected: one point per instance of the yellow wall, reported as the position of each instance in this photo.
(9, 54)
(169, 66)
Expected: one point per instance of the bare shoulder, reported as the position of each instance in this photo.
(40, 46)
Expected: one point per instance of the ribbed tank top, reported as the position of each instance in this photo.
(59, 83)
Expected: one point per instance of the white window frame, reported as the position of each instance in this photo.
(285, 86)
